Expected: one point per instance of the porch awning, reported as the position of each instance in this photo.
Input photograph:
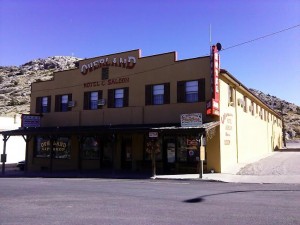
(87, 130)
(206, 126)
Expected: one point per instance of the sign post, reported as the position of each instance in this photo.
(202, 158)
(153, 148)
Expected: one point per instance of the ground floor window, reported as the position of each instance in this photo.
(61, 147)
(153, 145)
(181, 148)
(91, 148)
(187, 149)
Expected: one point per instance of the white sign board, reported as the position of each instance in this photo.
(153, 134)
(191, 120)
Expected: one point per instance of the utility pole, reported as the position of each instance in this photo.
(283, 126)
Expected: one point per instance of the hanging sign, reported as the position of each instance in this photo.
(28, 120)
(191, 120)
(153, 134)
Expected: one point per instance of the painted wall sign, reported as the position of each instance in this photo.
(226, 119)
(112, 81)
(191, 120)
(28, 120)
(127, 63)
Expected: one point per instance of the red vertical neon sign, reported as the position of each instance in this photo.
(212, 106)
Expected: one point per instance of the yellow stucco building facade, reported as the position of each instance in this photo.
(115, 111)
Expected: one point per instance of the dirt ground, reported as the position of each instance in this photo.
(284, 162)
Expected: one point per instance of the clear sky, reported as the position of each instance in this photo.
(88, 28)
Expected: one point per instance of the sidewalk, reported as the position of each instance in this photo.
(217, 177)
(232, 178)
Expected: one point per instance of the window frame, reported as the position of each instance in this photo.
(59, 105)
(87, 101)
(112, 98)
(182, 92)
(150, 96)
(105, 73)
(55, 153)
(39, 105)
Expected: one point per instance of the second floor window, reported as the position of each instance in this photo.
(191, 91)
(118, 98)
(62, 103)
(91, 100)
(157, 94)
(43, 104)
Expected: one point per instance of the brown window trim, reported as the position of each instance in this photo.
(181, 92)
(111, 97)
(149, 93)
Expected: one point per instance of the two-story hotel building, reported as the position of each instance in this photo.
(112, 111)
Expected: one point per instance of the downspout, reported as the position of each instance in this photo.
(236, 128)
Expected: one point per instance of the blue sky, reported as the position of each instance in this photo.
(88, 28)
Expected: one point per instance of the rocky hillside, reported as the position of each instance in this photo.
(15, 81)
(15, 84)
(290, 112)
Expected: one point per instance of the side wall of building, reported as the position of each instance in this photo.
(249, 130)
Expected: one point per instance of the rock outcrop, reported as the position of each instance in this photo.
(15, 81)
(289, 111)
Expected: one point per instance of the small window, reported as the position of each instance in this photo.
(245, 104)
(43, 104)
(118, 98)
(252, 108)
(91, 100)
(105, 73)
(231, 96)
(191, 91)
(91, 148)
(62, 103)
(157, 94)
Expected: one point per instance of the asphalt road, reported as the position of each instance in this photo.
(39, 201)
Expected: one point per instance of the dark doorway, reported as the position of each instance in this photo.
(126, 153)
(169, 154)
(106, 153)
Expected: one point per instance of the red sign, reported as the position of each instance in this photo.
(212, 106)
(215, 69)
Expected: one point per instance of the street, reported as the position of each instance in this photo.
(121, 201)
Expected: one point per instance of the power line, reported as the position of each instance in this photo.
(246, 42)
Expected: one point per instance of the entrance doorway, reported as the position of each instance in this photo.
(126, 153)
(169, 154)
